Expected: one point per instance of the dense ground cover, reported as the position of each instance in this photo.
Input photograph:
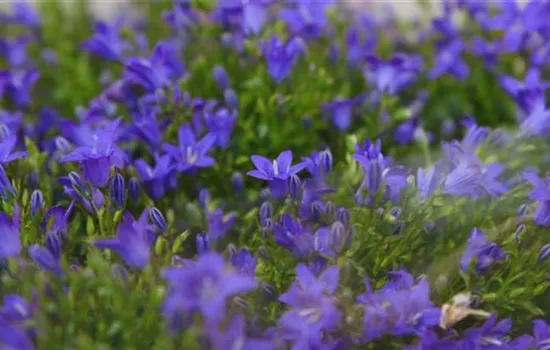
(274, 175)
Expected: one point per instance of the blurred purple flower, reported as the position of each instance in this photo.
(155, 179)
(203, 285)
(486, 253)
(449, 61)
(281, 57)
(106, 41)
(393, 75)
(133, 240)
(340, 111)
(17, 84)
(9, 234)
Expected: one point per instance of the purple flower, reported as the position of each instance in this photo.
(356, 48)
(98, 154)
(486, 49)
(243, 261)
(133, 240)
(218, 224)
(393, 75)
(340, 111)
(17, 84)
(529, 93)
(15, 51)
(44, 258)
(181, 15)
(541, 331)
(469, 177)
(106, 41)
(159, 71)
(292, 235)
(191, 153)
(55, 221)
(155, 179)
(486, 253)
(400, 307)
(9, 234)
(427, 181)
(541, 194)
(449, 61)
(281, 56)
(23, 13)
(313, 307)
(205, 286)
(221, 124)
(305, 18)
(13, 336)
(537, 122)
(494, 335)
(7, 153)
(319, 165)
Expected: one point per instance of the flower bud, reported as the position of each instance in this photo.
(221, 77)
(266, 210)
(231, 99)
(203, 244)
(133, 189)
(62, 145)
(295, 187)
(118, 190)
(343, 216)
(37, 202)
(237, 181)
(77, 184)
(5, 184)
(326, 161)
(158, 220)
(54, 244)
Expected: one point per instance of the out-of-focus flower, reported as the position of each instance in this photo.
(106, 41)
(529, 93)
(449, 61)
(203, 285)
(340, 111)
(157, 72)
(393, 75)
(9, 235)
(155, 179)
(17, 85)
(133, 240)
(486, 253)
(281, 56)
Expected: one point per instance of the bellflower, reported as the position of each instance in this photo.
(203, 285)
(393, 75)
(15, 51)
(249, 16)
(313, 308)
(9, 234)
(319, 165)
(12, 120)
(7, 153)
(355, 47)
(14, 337)
(427, 181)
(449, 61)
(218, 224)
(537, 122)
(17, 84)
(281, 57)
(155, 179)
(541, 331)
(340, 111)
(24, 13)
(486, 253)
(312, 193)
(191, 153)
(529, 93)
(487, 49)
(243, 261)
(106, 41)
(45, 259)
(306, 19)
(400, 307)
(157, 72)
(221, 124)
(541, 194)
(494, 335)
(292, 235)
(55, 221)
(98, 154)
(181, 15)
(276, 172)
(133, 240)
